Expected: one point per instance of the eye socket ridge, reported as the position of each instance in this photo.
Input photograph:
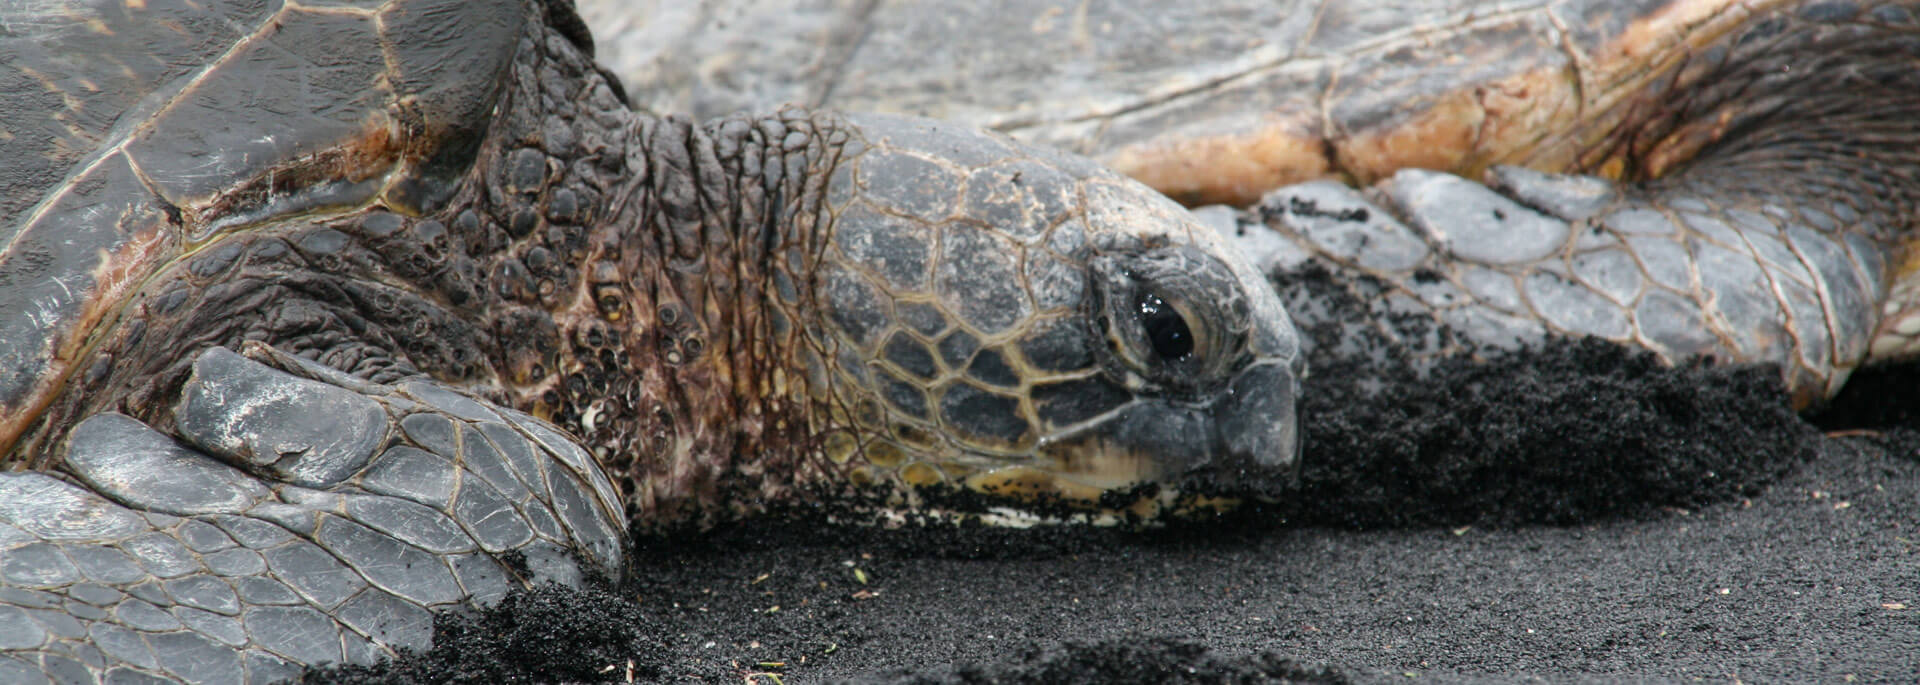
(1167, 318)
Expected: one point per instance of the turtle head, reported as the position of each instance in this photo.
(1022, 322)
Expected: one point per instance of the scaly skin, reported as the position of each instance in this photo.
(712, 317)
(1785, 241)
(149, 557)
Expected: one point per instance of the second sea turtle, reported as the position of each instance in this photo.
(1725, 178)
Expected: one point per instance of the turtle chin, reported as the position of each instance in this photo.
(1154, 452)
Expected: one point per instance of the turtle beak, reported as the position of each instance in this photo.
(1257, 430)
(1245, 444)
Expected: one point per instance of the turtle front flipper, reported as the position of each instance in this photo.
(1755, 209)
(301, 516)
(1439, 265)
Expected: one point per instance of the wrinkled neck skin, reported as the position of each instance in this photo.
(655, 286)
(698, 288)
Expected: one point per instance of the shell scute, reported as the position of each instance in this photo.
(147, 129)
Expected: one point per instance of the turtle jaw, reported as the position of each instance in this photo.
(1244, 443)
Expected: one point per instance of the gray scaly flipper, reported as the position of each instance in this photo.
(1780, 242)
(303, 517)
(1445, 264)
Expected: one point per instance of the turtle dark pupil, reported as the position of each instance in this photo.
(1165, 328)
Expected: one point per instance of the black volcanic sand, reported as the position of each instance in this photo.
(1565, 514)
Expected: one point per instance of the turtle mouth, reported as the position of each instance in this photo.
(1111, 477)
(1080, 497)
(1154, 453)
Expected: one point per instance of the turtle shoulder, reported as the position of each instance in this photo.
(139, 132)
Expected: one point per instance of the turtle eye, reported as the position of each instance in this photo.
(1165, 329)
(1167, 319)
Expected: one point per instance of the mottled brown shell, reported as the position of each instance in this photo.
(135, 132)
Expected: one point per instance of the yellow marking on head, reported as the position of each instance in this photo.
(920, 474)
(1029, 482)
(884, 454)
(840, 446)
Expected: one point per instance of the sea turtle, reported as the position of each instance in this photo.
(1700, 178)
(320, 316)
